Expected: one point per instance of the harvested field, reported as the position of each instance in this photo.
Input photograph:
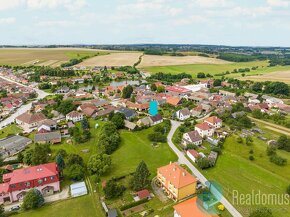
(154, 60)
(48, 63)
(43, 56)
(283, 76)
(113, 59)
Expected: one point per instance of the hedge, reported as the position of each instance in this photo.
(136, 203)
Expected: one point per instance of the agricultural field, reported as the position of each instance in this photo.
(234, 171)
(263, 73)
(44, 56)
(155, 60)
(113, 59)
(272, 76)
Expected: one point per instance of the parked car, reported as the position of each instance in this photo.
(15, 208)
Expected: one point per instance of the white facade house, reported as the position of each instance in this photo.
(214, 122)
(204, 129)
(74, 116)
(183, 114)
(191, 137)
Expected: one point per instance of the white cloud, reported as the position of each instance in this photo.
(195, 19)
(211, 3)
(7, 20)
(55, 23)
(7, 4)
(68, 4)
(149, 7)
(278, 3)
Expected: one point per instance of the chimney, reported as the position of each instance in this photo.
(174, 168)
(183, 173)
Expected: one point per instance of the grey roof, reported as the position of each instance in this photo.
(130, 125)
(47, 136)
(127, 112)
(194, 136)
(112, 213)
(13, 144)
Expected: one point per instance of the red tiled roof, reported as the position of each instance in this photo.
(31, 173)
(203, 126)
(177, 89)
(193, 152)
(143, 194)
(173, 100)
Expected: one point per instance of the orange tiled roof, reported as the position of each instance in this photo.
(213, 119)
(176, 175)
(189, 208)
(173, 100)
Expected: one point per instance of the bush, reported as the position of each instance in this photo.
(33, 199)
(278, 160)
(130, 205)
(251, 157)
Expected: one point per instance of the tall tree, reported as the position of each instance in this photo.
(141, 177)
(127, 91)
(40, 154)
(99, 164)
(60, 163)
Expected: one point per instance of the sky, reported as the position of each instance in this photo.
(219, 22)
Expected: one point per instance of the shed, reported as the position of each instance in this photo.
(78, 189)
(112, 213)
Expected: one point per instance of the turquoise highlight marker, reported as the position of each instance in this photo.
(153, 109)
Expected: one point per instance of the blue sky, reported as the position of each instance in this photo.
(223, 22)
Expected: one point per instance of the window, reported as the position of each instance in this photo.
(27, 184)
(52, 177)
(45, 179)
(40, 181)
(12, 186)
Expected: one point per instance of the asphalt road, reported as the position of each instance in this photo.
(24, 108)
(183, 160)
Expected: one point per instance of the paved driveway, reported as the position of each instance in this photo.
(183, 160)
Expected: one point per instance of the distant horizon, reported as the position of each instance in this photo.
(225, 22)
(75, 45)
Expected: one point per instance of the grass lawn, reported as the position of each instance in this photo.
(9, 130)
(136, 147)
(214, 69)
(234, 171)
(77, 207)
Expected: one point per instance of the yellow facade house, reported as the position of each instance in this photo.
(176, 181)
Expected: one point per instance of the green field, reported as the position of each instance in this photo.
(214, 69)
(234, 171)
(46, 57)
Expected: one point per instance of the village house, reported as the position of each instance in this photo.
(175, 101)
(191, 137)
(74, 116)
(183, 114)
(176, 181)
(129, 113)
(177, 91)
(157, 119)
(272, 101)
(226, 93)
(192, 154)
(29, 121)
(47, 126)
(44, 178)
(204, 130)
(214, 122)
